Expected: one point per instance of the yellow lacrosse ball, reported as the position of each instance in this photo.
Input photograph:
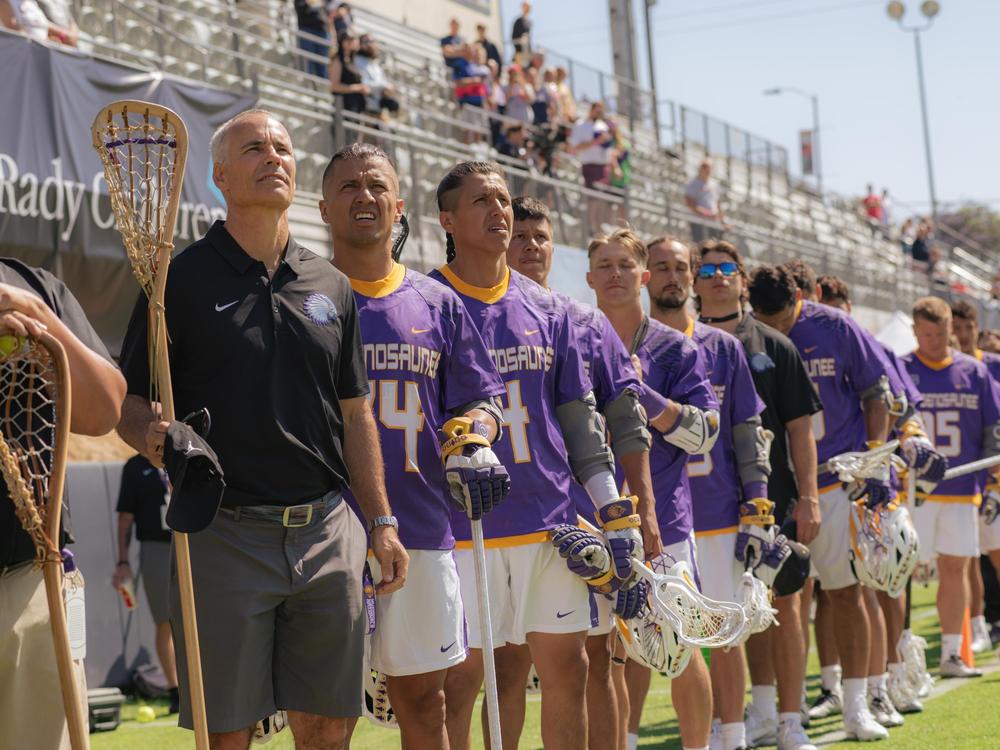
(145, 713)
(8, 344)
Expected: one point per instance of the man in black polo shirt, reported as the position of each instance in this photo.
(142, 502)
(264, 334)
(782, 383)
(32, 300)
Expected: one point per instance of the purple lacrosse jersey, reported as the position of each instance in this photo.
(843, 362)
(608, 365)
(425, 359)
(528, 334)
(906, 384)
(673, 367)
(961, 401)
(992, 362)
(715, 479)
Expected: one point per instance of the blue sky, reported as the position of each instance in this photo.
(718, 55)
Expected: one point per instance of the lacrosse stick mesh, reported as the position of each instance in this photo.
(850, 467)
(757, 605)
(29, 387)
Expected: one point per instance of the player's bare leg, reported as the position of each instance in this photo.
(976, 589)
(313, 732)
(561, 662)
(618, 662)
(637, 679)
(461, 688)
(952, 601)
(691, 694)
(513, 664)
(830, 700)
(728, 676)
(826, 639)
(876, 633)
(894, 612)
(418, 702)
(805, 610)
(602, 700)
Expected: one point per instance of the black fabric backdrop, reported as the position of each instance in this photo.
(54, 209)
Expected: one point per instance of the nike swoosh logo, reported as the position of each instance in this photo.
(220, 308)
(561, 615)
(147, 472)
(530, 333)
(810, 349)
(420, 330)
(448, 647)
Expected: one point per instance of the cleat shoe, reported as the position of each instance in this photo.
(909, 707)
(760, 729)
(828, 703)
(861, 726)
(884, 712)
(793, 737)
(953, 666)
(980, 638)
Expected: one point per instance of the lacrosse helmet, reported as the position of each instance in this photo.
(375, 696)
(653, 644)
(884, 547)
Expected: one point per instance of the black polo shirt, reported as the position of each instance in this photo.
(15, 544)
(144, 492)
(779, 375)
(270, 359)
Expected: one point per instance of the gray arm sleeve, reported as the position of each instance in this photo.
(910, 412)
(583, 430)
(488, 405)
(752, 445)
(627, 424)
(991, 440)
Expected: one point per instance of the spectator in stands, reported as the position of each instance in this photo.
(340, 19)
(871, 205)
(702, 197)
(590, 142)
(920, 250)
(27, 17)
(382, 100)
(60, 15)
(492, 52)
(345, 78)
(621, 164)
(520, 96)
(907, 234)
(567, 103)
(471, 76)
(521, 34)
(546, 102)
(313, 36)
(886, 213)
(989, 311)
(452, 44)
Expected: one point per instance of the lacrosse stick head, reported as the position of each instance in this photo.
(756, 602)
(915, 681)
(34, 427)
(872, 464)
(143, 149)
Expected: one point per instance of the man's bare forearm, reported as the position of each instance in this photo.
(876, 413)
(802, 447)
(124, 534)
(137, 414)
(363, 456)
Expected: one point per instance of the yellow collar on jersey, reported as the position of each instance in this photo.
(978, 354)
(935, 364)
(382, 287)
(489, 295)
(689, 331)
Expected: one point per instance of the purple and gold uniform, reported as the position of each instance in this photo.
(899, 372)
(960, 402)
(673, 367)
(534, 348)
(425, 359)
(992, 362)
(714, 477)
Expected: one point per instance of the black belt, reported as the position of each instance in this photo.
(290, 516)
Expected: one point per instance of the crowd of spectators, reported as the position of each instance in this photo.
(42, 20)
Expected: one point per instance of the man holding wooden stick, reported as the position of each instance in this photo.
(264, 335)
(33, 301)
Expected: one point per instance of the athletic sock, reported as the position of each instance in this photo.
(854, 693)
(734, 736)
(696, 748)
(876, 683)
(792, 717)
(764, 699)
(979, 623)
(950, 646)
(830, 677)
(632, 741)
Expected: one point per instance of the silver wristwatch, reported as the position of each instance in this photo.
(382, 521)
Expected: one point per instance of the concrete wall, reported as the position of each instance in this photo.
(432, 16)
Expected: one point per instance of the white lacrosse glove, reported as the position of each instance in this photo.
(924, 459)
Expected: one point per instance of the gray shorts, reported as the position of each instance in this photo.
(281, 620)
(154, 562)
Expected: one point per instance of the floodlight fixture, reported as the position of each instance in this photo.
(896, 9)
(930, 8)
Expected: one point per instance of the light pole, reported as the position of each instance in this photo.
(818, 165)
(929, 9)
(648, 6)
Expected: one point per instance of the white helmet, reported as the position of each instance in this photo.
(884, 547)
(756, 601)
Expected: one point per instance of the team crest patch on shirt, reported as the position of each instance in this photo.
(320, 309)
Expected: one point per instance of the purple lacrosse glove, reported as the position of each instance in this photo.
(875, 491)
(621, 527)
(630, 601)
(923, 459)
(585, 554)
(756, 520)
(773, 556)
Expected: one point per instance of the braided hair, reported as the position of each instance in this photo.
(453, 181)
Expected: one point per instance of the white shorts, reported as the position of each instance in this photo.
(531, 591)
(720, 572)
(830, 550)
(989, 536)
(421, 627)
(947, 529)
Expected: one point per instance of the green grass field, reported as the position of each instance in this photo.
(963, 719)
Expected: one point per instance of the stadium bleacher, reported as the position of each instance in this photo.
(252, 46)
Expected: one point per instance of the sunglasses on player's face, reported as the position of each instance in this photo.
(707, 270)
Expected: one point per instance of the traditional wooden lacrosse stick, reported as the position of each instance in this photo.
(34, 433)
(143, 149)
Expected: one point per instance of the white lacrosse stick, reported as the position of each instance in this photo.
(697, 620)
(757, 605)
(855, 465)
(486, 633)
(970, 468)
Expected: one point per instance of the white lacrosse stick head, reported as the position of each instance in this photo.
(756, 601)
(857, 465)
(916, 680)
